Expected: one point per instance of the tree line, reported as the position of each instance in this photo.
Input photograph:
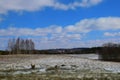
(110, 52)
(20, 46)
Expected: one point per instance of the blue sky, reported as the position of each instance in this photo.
(60, 23)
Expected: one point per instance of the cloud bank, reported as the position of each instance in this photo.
(35, 5)
(81, 27)
(103, 23)
(112, 34)
(67, 36)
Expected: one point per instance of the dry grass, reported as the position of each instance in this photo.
(55, 76)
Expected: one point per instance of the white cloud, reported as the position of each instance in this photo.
(3, 43)
(112, 34)
(45, 43)
(72, 44)
(87, 25)
(34, 5)
(87, 3)
(23, 5)
(74, 5)
(12, 31)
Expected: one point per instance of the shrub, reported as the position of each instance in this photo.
(110, 52)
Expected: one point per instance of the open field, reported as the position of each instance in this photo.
(56, 67)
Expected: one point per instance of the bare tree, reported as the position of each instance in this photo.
(11, 46)
(17, 46)
(31, 46)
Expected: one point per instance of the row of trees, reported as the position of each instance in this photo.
(110, 52)
(20, 46)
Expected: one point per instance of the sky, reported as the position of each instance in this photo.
(54, 24)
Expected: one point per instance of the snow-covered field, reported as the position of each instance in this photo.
(45, 61)
(57, 67)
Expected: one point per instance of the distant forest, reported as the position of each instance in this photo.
(108, 51)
